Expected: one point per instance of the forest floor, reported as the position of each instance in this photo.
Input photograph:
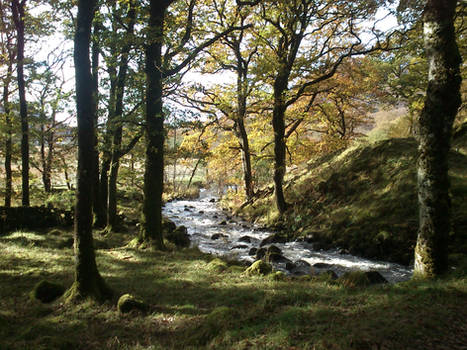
(195, 303)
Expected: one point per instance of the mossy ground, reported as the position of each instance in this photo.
(195, 306)
(364, 199)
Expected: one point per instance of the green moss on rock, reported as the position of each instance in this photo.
(128, 302)
(259, 267)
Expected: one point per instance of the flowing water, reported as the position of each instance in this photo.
(235, 238)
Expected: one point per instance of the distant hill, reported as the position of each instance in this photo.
(364, 200)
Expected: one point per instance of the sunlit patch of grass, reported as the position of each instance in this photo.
(192, 305)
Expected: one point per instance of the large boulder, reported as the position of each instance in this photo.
(47, 292)
(275, 238)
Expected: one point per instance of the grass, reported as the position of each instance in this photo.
(199, 302)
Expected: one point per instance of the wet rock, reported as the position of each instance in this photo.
(290, 266)
(246, 239)
(215, 217)
(239, 246)
(260, 229)
(179, 237)
(259, 267)
(276, 258)
(201, 212)
(260, 253)
(322, 266)
(218, 236)
(47, 292)
(223, 222)
(212, 200)
(275, 238)
(187, 209)
(302, 264)
(343, 251)
(252, 251)
(128, 302)
(273, 249)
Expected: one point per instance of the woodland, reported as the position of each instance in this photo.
(162, 159)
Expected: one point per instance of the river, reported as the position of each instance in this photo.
(235, 238)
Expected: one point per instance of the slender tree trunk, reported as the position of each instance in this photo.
(246, 154)
(8, 142)
(99, 207)
(88, 282)
(118, 132)
(278, 124)
(151, 230)
(18, 16)
(45, 168)
(435, 127)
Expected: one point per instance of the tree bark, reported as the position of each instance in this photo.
(151, 230)
(18, 17)
(88, 282)
(435, 127)
(118, 131)
(99, 202)
(8, 142)
(278, 124)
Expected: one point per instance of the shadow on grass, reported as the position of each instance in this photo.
(192, 306)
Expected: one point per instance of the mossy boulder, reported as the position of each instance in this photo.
(361, 279)
(217, 265)
(128, 302)
(259, 267)
(179, 237)
(47, 292)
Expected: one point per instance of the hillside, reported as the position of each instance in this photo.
(364, 200)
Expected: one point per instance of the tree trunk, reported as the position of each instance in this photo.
(151, 230)
(18, 17)
(8, 142)
(118, 120)
(88, 282)
(278, 124)
(242, 92)
(99, 208)
(435, 127)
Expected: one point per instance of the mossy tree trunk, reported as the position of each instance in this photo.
(435, 127)
(17, 7)
(88, 282)
(151, 230)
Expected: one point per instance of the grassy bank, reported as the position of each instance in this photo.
(364, 199)
(195, 304)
